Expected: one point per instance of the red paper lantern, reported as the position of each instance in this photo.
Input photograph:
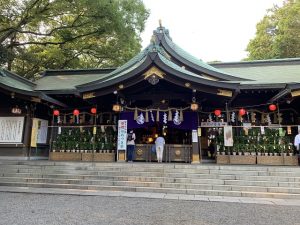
(76, 112)
(272, 107)
(217, 112)
(93, 110)
(242, 112)
(56, 112)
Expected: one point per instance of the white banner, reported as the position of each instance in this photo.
(11, 129)
(194, 136)
(42, 131)
(122, 134)
(228, 137)
(213, 124)
(39, 131)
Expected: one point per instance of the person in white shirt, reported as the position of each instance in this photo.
(297, 141)
(159, 144)
(130, 145)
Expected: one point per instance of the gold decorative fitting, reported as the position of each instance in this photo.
(187, 84)
(34, 99)
(224, 93)
(116, 108)
(209, 77)
(139, 152)
(154, 71)
(153, 75)
(295, 93)
(177, 153)
(88, 95)
(194, 106)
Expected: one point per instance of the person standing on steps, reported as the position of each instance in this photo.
(297, 144)
(159, 144)
(130, 145)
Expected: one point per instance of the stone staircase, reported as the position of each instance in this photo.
(212, 180)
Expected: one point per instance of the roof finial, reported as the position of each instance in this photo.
(152, 40)
(160, 25)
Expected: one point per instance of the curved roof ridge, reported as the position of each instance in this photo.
(17, 77)
(192, 59)
(112, 76)
(131, 62)
(263, 62)
(187, 72)
(136, 60)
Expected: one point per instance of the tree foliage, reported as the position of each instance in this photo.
(278, 33)
(58, 34)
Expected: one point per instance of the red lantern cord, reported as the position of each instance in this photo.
(217, 112)
(272, 107)
(93, 110)
(242, 112)
(76, 112)
(56, 112)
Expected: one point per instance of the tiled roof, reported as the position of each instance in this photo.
(280, 71)
(15, 81)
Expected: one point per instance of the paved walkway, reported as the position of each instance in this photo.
(181, 197)
(53, 209)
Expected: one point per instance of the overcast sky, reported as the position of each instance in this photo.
(208, 29)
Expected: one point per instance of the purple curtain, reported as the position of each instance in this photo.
(190, 120)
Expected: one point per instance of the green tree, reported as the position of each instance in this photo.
(58, 34)
(278, 33)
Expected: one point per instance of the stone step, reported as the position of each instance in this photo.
(247, 181)
(158, 190)
(169, 173)
(203, 186)
(215, 179)
(148, 166)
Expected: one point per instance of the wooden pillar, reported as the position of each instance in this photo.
(27, 133)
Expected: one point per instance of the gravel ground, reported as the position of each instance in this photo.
(40, 209)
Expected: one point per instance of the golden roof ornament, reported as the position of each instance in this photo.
(153, 39)
(153, 75)
(160, 23)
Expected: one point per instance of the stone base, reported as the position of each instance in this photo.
(87, 157)
(242, 159)
(290, 160)
(65, 156)
(222, 159)
(270, 160)
(98, 157)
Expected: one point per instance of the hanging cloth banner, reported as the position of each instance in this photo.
(122, 135)
(228, 136)
(34, 132)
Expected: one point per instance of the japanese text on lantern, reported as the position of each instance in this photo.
(122, 134)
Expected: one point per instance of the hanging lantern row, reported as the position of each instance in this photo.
(194, 107)
(242, 111)
(76, 112)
